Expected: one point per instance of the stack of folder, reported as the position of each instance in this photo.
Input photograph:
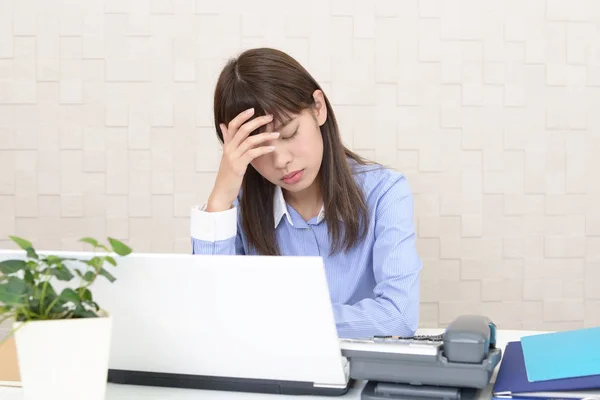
(561, 365)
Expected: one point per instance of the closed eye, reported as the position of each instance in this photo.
(290, 137)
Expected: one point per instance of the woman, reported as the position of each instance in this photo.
(286, 185)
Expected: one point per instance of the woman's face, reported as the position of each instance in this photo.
(295, 163)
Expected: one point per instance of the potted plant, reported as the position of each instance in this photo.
(62, 336)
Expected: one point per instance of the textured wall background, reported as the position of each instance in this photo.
(492, 109)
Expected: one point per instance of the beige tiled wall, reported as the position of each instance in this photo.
(491, 108)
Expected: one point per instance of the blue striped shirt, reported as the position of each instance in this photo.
(374, 287)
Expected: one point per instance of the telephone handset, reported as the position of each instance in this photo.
(469, 338)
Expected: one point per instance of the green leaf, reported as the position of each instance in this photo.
(87, 295)
(31, 253)
(95, 262)
(58, 306)
(11, 298)
(119, 247)
(69, 294)
(22, 243)
(107, 275)
(49, 289)
(32, 265)
(89, 276)
(51, 260)
(17, 285)
(85, 308)
(29, 278)
(11, 266)
(13, 292)
(111, 260)
(83, 313)
(89, 240)
(51, 303)
(61, 273)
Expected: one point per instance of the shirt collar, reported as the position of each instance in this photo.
(280, 208)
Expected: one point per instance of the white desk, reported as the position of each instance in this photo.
(127, 392)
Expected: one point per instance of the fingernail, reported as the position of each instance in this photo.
(275, 134)
(271, 148)
(250, 111)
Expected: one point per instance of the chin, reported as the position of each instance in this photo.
(294, 188)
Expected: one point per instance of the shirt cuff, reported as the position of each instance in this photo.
(213, 226)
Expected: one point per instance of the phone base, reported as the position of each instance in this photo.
(419, 370)
(374, 390)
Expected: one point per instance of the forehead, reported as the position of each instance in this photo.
(279, 125)
(282, 121)
(276, 125)
(289, 119)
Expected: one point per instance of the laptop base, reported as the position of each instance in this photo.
(143, 378)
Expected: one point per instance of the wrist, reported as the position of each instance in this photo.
(217, 206)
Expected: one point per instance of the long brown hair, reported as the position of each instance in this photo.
(273, 82)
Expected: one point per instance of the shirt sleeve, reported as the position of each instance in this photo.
(215, 232)
(394, 310)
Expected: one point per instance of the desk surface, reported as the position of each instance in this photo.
(127, 392)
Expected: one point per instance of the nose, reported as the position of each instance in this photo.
(281, 157)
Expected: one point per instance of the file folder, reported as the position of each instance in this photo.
(512, 382)
(559, 355)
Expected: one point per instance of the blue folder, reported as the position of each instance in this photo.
(559, 355)
(511, 380)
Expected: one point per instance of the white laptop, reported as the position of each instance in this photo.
(241, 323)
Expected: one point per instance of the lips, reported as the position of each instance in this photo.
(292, 177)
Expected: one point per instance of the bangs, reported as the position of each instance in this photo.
(265, 99)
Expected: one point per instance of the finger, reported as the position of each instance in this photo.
(244, 131)
(254, 141)
(239, 119)
(225, 133)
(257, 152)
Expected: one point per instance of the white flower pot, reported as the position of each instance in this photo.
(64, 359)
